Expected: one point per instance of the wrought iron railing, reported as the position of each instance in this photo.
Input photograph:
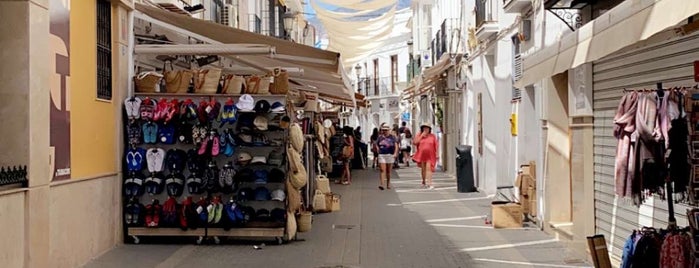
(255, 24)
(484, 12)
(13, 175)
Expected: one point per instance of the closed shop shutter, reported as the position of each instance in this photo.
(669, 62)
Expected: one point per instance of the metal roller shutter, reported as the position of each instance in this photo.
(671, 63)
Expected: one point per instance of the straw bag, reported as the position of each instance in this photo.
(319, 202)
(206, 80)
(323, 184)
(305, 221)
(291, 226)
(299, 176)
(176, 81)
(252, 84)
(281, 82)
(233, 84)
(294, 198)
(332, 202)
(311, 102)
(265, 81)
(296, 136)
(147, 82)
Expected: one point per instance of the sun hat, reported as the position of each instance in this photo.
(244, 158)
(385, 126)
(245, 103)
(259, 160)
(261, 122)
(425, 124)
(296, 136)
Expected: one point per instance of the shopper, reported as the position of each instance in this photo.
(426, 155)
(374, 137)
(387, 146)
(396, 133)
(406, 142)
(347, 154)
(358, 133)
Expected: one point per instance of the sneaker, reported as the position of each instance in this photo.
(431, 187)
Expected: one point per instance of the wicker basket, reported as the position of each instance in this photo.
(304, 221)
(281, 82)
(147, 82)
(177, 81)
(233, 84)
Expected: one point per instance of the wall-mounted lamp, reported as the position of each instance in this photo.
(289, 20)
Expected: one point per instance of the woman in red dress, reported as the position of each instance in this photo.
(426, 156)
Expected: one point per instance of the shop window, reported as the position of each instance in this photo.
(104, 50)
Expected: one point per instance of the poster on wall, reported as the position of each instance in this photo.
(60, 77)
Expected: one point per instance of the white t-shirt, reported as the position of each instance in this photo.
(405, 142)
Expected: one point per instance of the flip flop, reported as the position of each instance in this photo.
(204, 144)
(211, 213)
(216, 146)
(149, 215)
(218, 211)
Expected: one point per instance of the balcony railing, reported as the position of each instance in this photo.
(484, 12)
(377, 87)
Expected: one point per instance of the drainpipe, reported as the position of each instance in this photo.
(540, 178)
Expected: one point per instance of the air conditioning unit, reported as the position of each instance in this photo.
(229, 16)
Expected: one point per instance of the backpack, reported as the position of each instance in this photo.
(170, 212)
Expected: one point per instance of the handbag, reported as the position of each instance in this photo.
(147, 82)
(176, 81)
(233, 84)
(206, 81)
(252, 84)
(326, 164)
(319, 202)
(281, 82)
(347, 152)
(265, 82)
(332, 202)
(323, 184)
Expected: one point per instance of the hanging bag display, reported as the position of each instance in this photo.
(206, 81)
(319, 202)
(147, 82)
(299, 176)
(233, 84)
(296, 137)
(281, 82)
(332, 202)
(252, 84)
(294, 198)
(176, 81)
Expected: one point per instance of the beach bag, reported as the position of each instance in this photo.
(319, 202)
(264, 85)
(206, 81)
(147, 82)
(233, 84)
(252, 84)
(294, 198)
(176, 81)
(281, 82)
(296, 137)
(299, 176)
(305, 220)
(323, 184)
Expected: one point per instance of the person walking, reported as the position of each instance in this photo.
(396, 133)
(374, 137)
(406, 142)
(387, 146)
(426, 156)
(347, 155)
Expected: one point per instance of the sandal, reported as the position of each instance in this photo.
(381, 188)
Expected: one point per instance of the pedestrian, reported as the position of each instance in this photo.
(396, 132)
(426, 156)
(387, 146)
(374, 137)
(406, 142)
(358, 133)
(347, 154)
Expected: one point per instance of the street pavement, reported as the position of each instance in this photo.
(402, 227)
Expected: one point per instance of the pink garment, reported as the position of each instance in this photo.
(426, 150)
(624, 126)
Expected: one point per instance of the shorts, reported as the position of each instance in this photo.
(386, 159)
(406, 149)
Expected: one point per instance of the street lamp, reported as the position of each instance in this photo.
(358, 69)
(289, 19)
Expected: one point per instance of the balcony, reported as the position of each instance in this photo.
(486, 19)
(516, 6)
(380, 87)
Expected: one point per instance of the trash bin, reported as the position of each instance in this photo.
(464, 169)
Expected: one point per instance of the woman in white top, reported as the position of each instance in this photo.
(406, 140)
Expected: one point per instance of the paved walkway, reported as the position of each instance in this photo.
(402, 227)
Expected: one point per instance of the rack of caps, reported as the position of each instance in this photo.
(205, 165)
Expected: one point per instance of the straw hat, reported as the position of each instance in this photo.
(425, 124)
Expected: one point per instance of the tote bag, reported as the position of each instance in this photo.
(206, 80)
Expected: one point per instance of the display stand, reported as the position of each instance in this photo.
(255, 224)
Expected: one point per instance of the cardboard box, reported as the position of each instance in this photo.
(506, 215)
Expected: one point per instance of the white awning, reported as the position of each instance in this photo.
(624, 25)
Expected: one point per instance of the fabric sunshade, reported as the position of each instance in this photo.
(622, 26)
(360, 4)
(298, 54)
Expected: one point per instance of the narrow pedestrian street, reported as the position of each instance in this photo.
(402, 227)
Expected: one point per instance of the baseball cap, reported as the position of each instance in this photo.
(244, 158)
(261, 176)
(262, 194)
(276, 157)
(261, 122)
(278, 195)
(244, 175)
(259, 160)
(245, 103)
(277, 107)
(262, 215)
(262, 106)
(276, 175)
(278, 215)
(245, 194)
